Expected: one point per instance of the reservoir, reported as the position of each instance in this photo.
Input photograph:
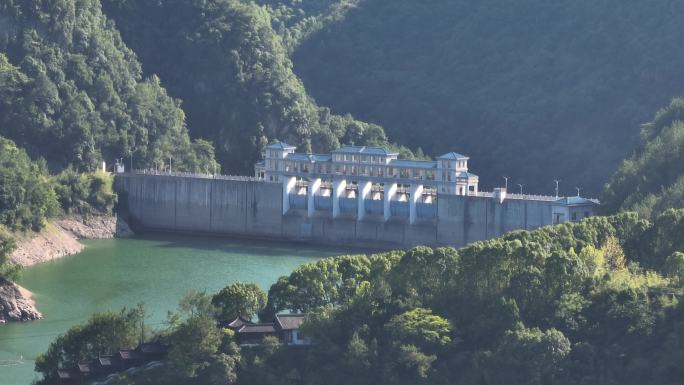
(155, 269)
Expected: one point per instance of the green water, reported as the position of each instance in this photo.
(156, 270)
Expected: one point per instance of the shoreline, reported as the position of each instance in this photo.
(59, 238)
(26, 294)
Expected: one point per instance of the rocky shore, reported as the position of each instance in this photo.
(16, 303)
(58, 239)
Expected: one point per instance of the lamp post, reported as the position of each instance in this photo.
(578, 190)
(521, 186)
(557, 181)
(506, 186)
(170, 158)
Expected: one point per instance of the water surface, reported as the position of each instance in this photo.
(156, 270)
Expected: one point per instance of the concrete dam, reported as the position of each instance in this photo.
(254, 208)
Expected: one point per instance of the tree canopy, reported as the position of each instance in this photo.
(26, 194)
(591, 302)
(233, 72)
(652, 179)
(73, 93)
(535, 90)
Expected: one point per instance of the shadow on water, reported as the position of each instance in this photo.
(254, 246)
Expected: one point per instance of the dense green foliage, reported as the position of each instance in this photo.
(239, 299)
(8, 270)
(104, 333)
(85, 193)
(72, 93)
(652, 180)
(295, 21)
(566, 304)
(26, 194)
(223, 58)
(532, 89)
(594, 302)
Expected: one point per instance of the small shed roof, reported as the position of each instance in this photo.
(107, 361)
(129, 354)
(237, 323)
(257, 328)
(151, 348)
(86, 367)
(289, 321)
(67, 374)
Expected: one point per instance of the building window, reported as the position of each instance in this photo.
(574, 216)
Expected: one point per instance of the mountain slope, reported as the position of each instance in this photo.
(223, 58)
(652, 180)
(72, 92)
(535, 90)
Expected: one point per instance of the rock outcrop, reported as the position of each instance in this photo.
(60, 238)
(50, 243)
(95, 227)
(16, 303)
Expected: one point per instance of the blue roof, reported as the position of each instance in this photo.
(280, 146)
(321, 157)
(364, 150)
(453, 155)
(465, 174)
(576, 201)
(413, 163)
(308, 157)
(298, 156)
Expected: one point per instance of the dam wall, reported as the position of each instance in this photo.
(249, 207)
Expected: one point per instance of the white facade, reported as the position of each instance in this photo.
(447, 175)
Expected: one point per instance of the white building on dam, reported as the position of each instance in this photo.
(368, 183)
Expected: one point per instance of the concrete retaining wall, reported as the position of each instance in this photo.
(254, 209)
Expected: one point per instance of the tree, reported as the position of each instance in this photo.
(62, 103)
(26, 194)
(103, 333)
(674, 266)
(239, 299)
(420, 327)
(194, 344)
(8, 270)
(527, 356)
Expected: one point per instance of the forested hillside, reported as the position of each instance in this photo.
(73, 93)
(652, 180)
(234, 75)
(533, 89)
(595, 302)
